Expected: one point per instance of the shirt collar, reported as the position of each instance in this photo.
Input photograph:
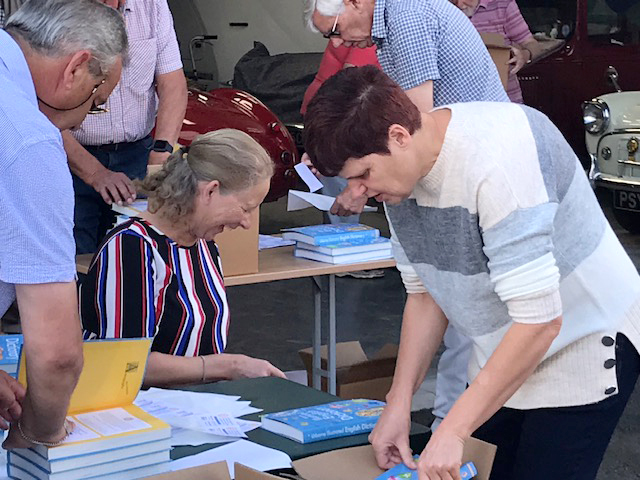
(378, 29)
(482, 4)
(13, 61)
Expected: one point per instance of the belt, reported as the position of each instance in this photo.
(114, 147)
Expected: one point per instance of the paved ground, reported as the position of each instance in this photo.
(275, 320)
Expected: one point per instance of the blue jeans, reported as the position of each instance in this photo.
(565, 443)
(92, 216)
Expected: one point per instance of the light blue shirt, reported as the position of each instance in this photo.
(422, 40)
(36, 192)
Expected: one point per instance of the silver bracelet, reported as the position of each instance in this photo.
(204, 376)
(38, 442)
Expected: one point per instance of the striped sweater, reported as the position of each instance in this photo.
(505, 228)
(142, 284)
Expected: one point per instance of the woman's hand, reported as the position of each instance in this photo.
(248, 367)
(442, 457)
(390, 438)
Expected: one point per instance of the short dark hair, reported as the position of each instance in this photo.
(350, 117)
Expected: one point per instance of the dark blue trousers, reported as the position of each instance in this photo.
(560, 443)
(92, 216)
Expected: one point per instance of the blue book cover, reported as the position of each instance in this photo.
(322, 422)
(331, 234)
(402, 472)
(10, 346)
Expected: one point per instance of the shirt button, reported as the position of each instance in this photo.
(607, 341)
(610, 363)
(610, 390)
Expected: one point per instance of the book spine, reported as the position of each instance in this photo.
(332, 238)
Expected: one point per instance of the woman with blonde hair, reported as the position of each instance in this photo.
(160, 275)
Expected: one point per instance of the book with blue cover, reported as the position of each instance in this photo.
(10, 346)
(402, 472)
(322, 422)
(348, 248)
(330, 234)
(343, 259)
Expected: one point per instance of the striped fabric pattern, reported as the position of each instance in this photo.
(510, 231)
(153, 50)
(422, 40)
(504, 17)
(142, 284)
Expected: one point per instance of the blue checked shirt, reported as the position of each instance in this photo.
(422, 40)
(36, 193)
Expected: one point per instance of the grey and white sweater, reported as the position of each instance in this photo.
(505, 228)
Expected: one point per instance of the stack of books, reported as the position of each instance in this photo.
(339, 244)
(10, 347)
(112, 437)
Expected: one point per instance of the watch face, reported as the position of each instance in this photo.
(162, 146)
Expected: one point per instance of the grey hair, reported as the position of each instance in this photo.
(56, 28)
(329, 8)
(230, 156)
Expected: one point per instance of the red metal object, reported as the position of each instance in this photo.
(557, 85)
(231, 108)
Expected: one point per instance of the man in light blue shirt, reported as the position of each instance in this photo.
(59, 59)
(431, 49)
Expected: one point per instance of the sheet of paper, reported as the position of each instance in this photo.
(248, 453)
(308, 177)
(223, 424)
(184, 436)
(270, 241)
(298, 200)
(112, 421)
(80, 432)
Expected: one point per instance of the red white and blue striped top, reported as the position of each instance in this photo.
(143, 284)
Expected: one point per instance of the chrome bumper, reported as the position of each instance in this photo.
(611, 182)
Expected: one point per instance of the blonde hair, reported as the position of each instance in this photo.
(230, 156)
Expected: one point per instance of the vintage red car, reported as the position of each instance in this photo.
(232, 108)
(597, 34)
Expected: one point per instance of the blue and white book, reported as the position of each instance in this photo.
(10, 346)
(347, 248)
(331, 234)
(343, 259)
(402, 472)
(322, 422)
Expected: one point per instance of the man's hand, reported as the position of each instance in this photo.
(249, 367)
(11, 396)
(442, 457)
(307, 161)
(16, 440)
(114, 187)
(158, 158)
(519, 59)
(390, 438)
(349, 202)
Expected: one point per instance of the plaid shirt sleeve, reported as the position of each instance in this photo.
(168, 51)
(414, 43)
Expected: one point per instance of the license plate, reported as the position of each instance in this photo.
(625, 200)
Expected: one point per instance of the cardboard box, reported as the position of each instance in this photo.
(356, 375)
(239, 248)
(356, 463)
(500, 53)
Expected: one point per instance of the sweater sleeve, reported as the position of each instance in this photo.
(410, 278)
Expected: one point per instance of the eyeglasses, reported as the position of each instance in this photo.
(94, 108)
(333, 32)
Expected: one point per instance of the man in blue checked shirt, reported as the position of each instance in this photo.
(431, 49)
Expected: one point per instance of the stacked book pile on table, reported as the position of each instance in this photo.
(339, 244)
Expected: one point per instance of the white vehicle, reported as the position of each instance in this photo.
(612, 124)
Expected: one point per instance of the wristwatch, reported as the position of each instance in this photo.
(162, 146)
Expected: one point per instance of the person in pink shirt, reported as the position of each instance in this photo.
(504, 17)
(334, 60)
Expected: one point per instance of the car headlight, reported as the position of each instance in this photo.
(595, 115)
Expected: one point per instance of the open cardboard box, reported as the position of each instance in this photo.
(356, 463)
(500, 53)
(238, 248)
(357, 376)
